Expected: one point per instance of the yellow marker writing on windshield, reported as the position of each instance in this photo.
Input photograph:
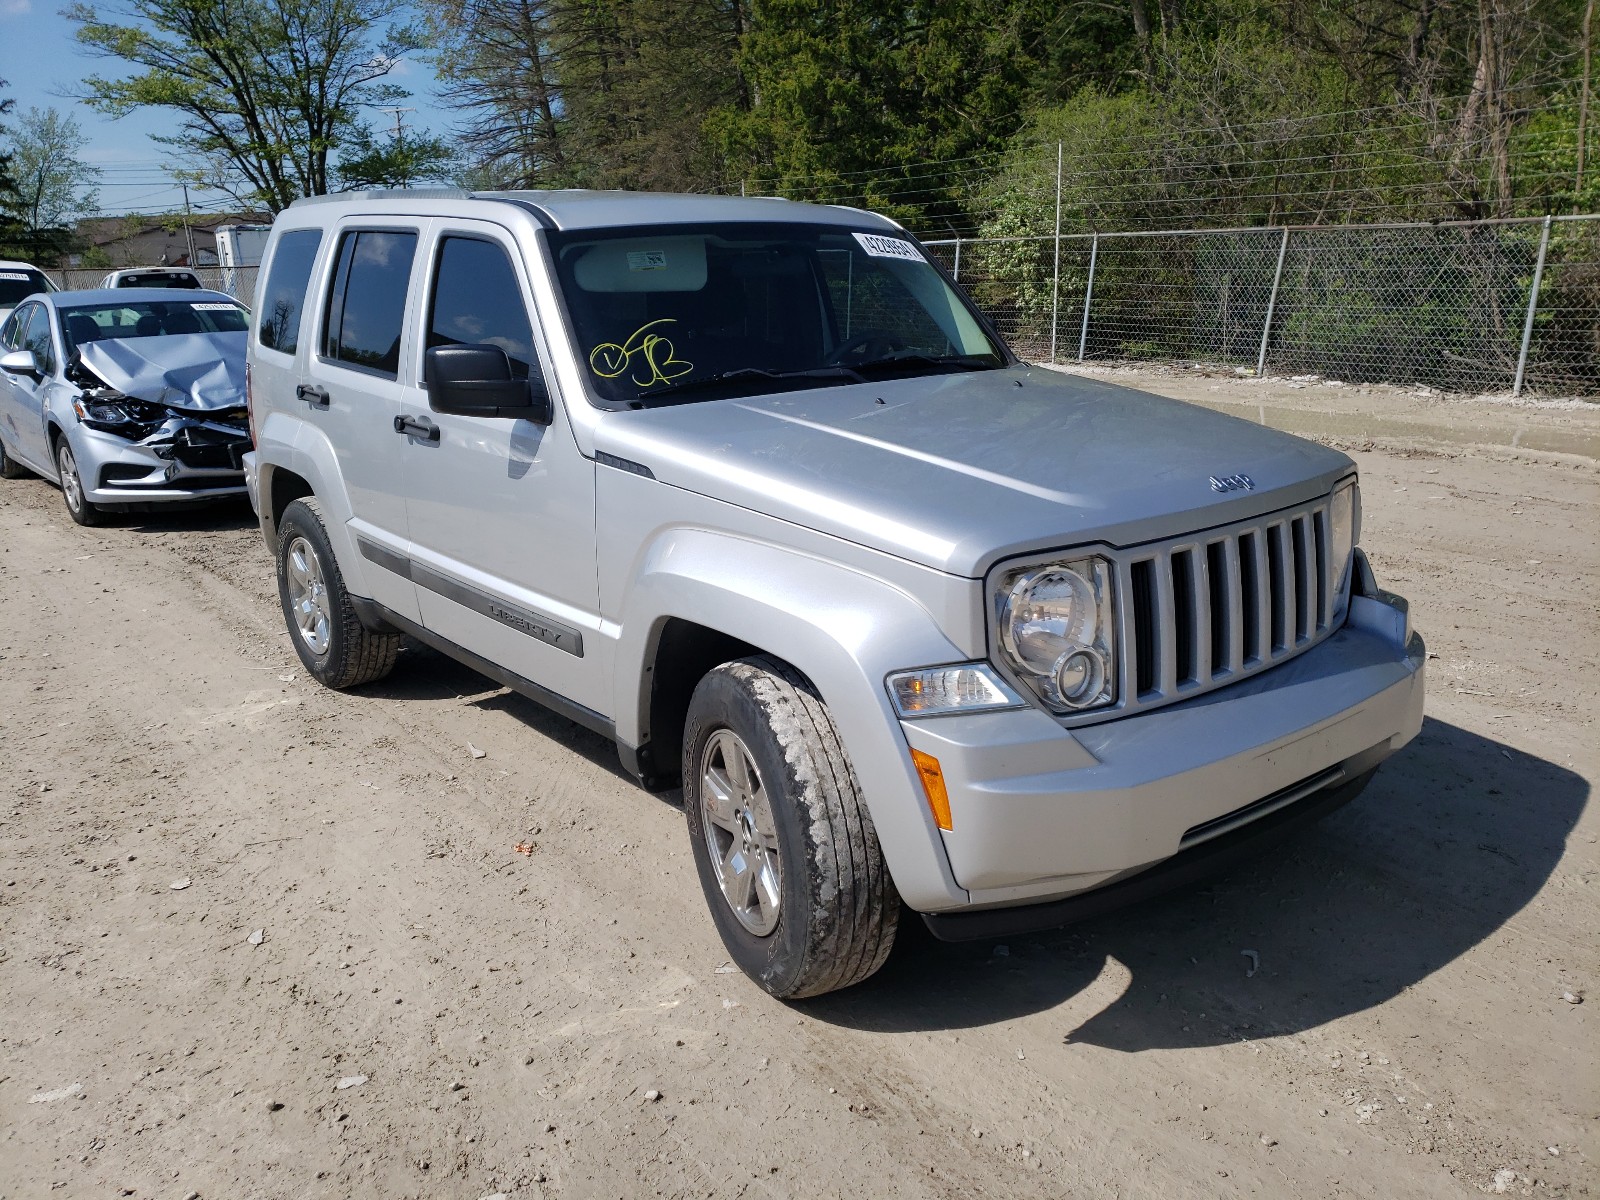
(608, 359)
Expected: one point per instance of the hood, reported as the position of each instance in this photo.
(960, 471)
(196, 372)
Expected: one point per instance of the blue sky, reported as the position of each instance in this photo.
(44, 60)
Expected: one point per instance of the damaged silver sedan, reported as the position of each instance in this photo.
(125, 397)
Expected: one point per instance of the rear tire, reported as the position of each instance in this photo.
(10, 468)
(786, 851)
(334, 646)
(79, 507)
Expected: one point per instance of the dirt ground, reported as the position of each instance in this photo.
(507, 1017)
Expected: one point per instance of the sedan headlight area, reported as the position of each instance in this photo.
(1057, 631)
(1344, 529)
(125, 417)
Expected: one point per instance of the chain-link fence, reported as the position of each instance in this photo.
(238, 282)
(1480, 306)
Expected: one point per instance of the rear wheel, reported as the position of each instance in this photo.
(333, 645)
(786, 851)
(10, 468)
(79, 506)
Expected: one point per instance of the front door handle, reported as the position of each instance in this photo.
(315, 396)
(417, 427)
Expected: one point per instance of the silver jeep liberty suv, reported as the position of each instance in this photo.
(751, 488)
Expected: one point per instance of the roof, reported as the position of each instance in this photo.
(135, 295)
(8, 265)
(578, 209)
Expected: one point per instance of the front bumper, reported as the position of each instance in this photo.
(1040, 813)
(117, 472)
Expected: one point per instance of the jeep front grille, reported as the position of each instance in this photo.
(1213, 607)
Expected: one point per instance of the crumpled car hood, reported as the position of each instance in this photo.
(191, 371)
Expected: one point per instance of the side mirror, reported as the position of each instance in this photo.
(476, 381)
(20, 362)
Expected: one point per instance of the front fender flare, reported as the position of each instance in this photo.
(845, 630)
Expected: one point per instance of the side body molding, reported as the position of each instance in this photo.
(844, 629)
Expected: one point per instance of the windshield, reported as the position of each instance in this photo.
(16, 286)
(149, 318)
(722, 308)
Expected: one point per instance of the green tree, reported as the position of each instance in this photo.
(263, 90)
(855, 100)
(366, 160)
(54, 185)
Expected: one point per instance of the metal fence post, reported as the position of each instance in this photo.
(956, 274)
(1088, 295)
(1272, 303)
(1533, 305)
(1055, 278)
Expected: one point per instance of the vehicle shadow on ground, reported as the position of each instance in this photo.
(424, 673)
(217, 516)
(1455, 835)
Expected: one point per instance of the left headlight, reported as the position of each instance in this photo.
(1057, 632)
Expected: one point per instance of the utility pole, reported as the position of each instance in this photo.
(397, 112)
(188, 234)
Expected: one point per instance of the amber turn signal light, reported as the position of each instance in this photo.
(933, 787)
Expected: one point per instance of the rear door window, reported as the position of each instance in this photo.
(478, 301)
(367, 303)
(284, 296)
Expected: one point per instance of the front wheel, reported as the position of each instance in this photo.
(79, 507)
(333, 645)
(784, 846)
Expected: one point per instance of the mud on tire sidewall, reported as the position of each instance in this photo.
(787, 961)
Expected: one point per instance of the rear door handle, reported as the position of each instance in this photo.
(312, 395)
(417, 427)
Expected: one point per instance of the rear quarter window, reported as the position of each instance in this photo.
(283, 298)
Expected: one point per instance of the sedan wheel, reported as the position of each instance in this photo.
(78, 505)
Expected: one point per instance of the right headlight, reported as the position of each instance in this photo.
(1344, 524)
(1057, 632)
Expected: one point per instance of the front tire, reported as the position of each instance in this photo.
(786, 851)
(333, 645)
(79, 507)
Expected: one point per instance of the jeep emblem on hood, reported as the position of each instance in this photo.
(1232, 483)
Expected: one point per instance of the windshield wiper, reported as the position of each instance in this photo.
(914, 358)
(671, 393)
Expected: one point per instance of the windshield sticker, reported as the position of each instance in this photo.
(651, 351)
(647, 260)
(889, 247)
(213, 306)
(19, 276)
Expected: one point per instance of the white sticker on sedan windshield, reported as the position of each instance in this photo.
(647, 260)
(889, 247)
(19, 276)
(213, 306)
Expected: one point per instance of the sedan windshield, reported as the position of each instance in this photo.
(149, 318)
(16, 286)
(694, 312)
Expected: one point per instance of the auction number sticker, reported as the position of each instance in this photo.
(888, 247)
(213, 306)
(647, 260)
(19, 276)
